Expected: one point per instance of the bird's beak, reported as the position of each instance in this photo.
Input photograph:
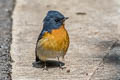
(65, 19)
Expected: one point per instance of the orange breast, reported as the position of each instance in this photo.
(61, 37)
(57, 40)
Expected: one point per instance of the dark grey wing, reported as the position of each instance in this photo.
(37, 58)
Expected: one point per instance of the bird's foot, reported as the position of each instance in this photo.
(37, 64)
(61, 67)
(45, 68)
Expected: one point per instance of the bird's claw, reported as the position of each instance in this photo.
(62, 67)
(45, 68)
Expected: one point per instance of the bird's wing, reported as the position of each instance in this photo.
(47, 42)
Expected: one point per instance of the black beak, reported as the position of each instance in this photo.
(65, 19)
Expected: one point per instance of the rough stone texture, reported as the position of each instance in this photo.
(6, 7)
(93, 27)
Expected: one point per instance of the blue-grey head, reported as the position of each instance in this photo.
(53, 20)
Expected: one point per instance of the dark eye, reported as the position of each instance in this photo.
(57, 20)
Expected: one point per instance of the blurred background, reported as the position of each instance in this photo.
(93, 27)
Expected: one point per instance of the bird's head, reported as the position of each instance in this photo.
(53, 20)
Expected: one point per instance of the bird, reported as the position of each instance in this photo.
(53, 41)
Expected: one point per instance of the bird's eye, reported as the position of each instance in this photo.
(57, 20)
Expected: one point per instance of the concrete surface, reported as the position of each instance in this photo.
(93, 27)
(6, 8)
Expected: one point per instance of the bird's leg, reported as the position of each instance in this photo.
(45, 66)
(59, 62)
(60, 66)
(63, 59)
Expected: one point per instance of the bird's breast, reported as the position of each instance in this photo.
(56, 42)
